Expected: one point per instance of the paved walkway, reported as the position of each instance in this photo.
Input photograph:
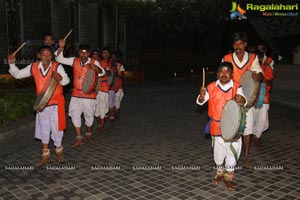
(157, 151)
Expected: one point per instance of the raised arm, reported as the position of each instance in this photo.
(59, 54)
(15, 71)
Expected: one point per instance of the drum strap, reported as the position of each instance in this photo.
(234, 152)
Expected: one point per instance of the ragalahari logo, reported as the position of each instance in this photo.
(237, 11)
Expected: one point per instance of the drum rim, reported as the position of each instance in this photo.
(46, 96)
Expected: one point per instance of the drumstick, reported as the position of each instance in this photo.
(16, 51)
(68, 34)
(203, 77)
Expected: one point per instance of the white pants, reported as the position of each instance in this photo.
(46, 122)
(118, 98)
(261, 120)
(102, 104)
(249, 122)
(228, 151)
(111, 98)
(82, 105)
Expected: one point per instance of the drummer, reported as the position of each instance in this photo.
(49, 41)
(261, 118)
(243, 61)
(217, 93)
(52, 119)
(102, 94)
(119, 93)
(80, 103)
(266, 59)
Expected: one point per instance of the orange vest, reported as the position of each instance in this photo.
(268, 75)
(79, 73)
(216, 102)
(57, 97)
(119, 79)
(104, 87)
(268, 61)
(238, 72)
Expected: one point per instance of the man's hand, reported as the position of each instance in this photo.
(239, 99)
(11, 58)
(257, 76)
(56, 76)
(202, 94)
(61, 43)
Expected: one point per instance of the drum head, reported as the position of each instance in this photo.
(250, 88)
(230, 120)
(43, 98)
(89, 81)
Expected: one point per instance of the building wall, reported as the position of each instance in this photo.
(3, 36)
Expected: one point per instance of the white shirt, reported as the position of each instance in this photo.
(26, 72)
(255, 67)
(225, 87)
(69, 61)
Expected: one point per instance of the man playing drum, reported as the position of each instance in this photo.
(102, 91)
(119, 93)
(217, 93)
(261, 119)
(81, 103)
(243, 61)
(52, 118)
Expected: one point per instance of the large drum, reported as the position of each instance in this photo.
(250, 88)
(233, 120)
(89, 82)
(44, 97)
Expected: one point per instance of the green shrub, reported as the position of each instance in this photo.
(14, 105)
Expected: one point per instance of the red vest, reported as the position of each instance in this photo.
(268, 61)
(57, 97)
(79, 73)
(216, 102)
(238, 72)
(268, 75)
(104, 87)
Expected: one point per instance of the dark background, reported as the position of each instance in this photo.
(157, 38)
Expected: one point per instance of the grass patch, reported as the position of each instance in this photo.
(14, 105)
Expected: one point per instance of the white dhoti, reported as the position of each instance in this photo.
(249, 122)
(118, 98)
(111, 98)
(261, 120)
(46, 122)
(228, 151)
(82, 105)
(102, 104)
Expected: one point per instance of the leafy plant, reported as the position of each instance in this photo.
(14, 105)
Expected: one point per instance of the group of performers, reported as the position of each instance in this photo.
(106, 99)
(226, 153)
(103, 100)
